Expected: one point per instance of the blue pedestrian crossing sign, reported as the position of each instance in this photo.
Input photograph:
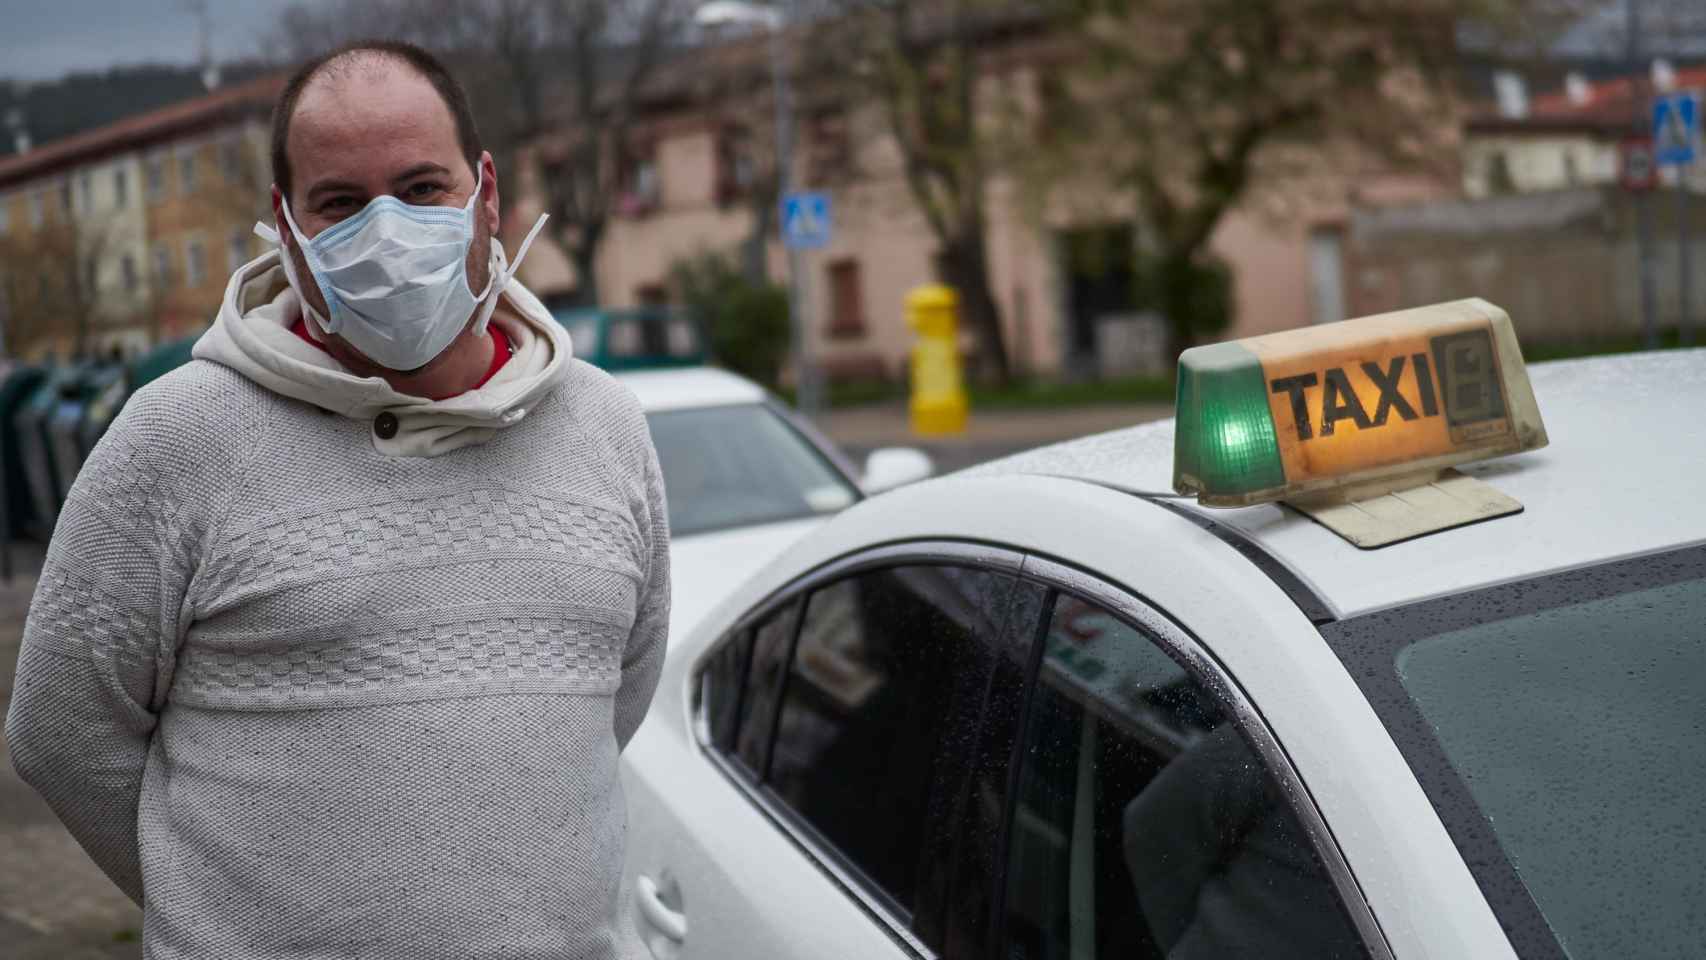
(1676, 129)
(806, 222)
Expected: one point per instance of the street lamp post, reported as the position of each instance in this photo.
(774, 20)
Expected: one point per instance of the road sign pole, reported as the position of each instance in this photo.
(1685, 263)
(5, 494)
(805, 377)
(1644, 244)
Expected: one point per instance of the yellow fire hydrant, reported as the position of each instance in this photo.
(938, 391)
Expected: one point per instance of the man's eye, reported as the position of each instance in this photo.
(338, 205)
(421, 192)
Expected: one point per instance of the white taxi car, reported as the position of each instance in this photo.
(1053, 708)
(745, 477)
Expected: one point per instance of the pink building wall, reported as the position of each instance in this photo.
(878, 226)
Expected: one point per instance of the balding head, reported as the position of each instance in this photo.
(369, 121)
(361, 70)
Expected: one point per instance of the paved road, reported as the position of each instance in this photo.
(988, 436)
(55, 904)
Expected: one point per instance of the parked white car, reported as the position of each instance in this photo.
(1050, 708)
(745, 477)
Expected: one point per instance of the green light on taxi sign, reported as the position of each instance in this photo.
(1224, 438)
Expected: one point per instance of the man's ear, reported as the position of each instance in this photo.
(284, 235)
(489, 201)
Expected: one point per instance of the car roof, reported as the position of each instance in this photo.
(1623, 476)
(680, 388)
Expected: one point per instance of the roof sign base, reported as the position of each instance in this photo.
(1379, 516)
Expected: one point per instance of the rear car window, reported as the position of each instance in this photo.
(1557, 725)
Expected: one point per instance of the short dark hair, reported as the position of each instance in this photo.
(409, 55)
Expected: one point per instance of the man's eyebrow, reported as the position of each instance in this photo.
(333, 186)
(418, 170)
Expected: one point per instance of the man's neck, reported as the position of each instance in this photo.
(461, 367)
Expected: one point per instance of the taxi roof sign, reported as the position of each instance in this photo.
(1329, 414)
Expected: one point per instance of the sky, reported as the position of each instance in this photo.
(46, 39)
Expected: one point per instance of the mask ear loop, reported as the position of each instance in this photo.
(494, 287)
(270, 234)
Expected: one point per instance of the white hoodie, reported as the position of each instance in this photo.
(301, 697)
(253, 336)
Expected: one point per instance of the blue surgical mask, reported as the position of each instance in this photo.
(395, 277)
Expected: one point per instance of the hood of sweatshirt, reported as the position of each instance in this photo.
(253, 336)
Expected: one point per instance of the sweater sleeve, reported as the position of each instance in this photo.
(98, 643)
(642, 659)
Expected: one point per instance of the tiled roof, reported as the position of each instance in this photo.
(1613, 106)
(141, 130)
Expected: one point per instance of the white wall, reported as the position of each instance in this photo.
(1538, 162)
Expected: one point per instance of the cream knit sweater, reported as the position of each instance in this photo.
(305, 698)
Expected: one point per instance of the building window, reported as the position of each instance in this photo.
(1499, 176)
(38, 210)
(154, 171)
(231, 160)
(121, 189)
(237, 248)
(186, 173)
(829, 150)
(65, 199)
(642, 187)
(162, 266)
(127, 268)
(86, 191)
(5, 215)
(736, 172)
(195, 263)
(846, 300)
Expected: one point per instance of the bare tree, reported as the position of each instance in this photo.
(736, 92)
(54, 279)
(554, 83)
(1196, 107)
(927, 65)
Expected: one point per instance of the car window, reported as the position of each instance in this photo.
(723, 683)
(738, 466)
(771, 642)
(976, 863)
(1145, 825)
(891, 680)
(1556, 724)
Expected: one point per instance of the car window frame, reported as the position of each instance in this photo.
(1176, 641)
(860, 890)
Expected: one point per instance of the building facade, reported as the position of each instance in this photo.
(1061, 317)
(1567, 138)
(123, 236)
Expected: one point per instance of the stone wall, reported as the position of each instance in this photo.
(1565, 264)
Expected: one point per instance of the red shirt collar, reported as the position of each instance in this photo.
(502, 350)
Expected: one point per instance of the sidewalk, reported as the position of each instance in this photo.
(55, 904)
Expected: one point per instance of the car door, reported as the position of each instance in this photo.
(843, 732)
(1151, 813)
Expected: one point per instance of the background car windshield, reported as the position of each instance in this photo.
(1571, 715)
(741, 465)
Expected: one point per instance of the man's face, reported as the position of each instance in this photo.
(378, 128)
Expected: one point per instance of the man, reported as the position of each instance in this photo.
(345, 623)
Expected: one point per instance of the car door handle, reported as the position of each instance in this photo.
(662, 918)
